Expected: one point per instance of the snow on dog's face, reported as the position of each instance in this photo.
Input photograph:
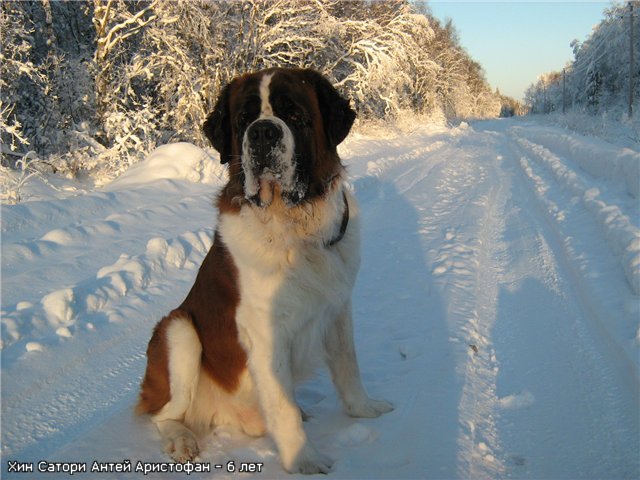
(278, 130)
(269, 149)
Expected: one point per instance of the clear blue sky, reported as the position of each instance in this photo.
(517, 41)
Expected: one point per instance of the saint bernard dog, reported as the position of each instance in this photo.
(272, 299)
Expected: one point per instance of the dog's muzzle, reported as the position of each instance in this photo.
(268, 163)
(265, 143)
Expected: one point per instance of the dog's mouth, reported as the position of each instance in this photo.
(269, 187)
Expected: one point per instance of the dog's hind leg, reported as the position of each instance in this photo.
(184, 357)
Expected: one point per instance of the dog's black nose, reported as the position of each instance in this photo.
(263, 136)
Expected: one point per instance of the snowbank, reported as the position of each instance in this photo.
(172, 162)
(598, 158)
(622, 236)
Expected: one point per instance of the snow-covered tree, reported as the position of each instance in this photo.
(597, 79)
(16, 70)
(51, 96)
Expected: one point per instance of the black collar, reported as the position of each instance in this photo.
(343, 225)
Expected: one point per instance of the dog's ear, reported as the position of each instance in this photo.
(217, 128)
(337, 115)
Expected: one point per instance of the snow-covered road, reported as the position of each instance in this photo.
(497, 307)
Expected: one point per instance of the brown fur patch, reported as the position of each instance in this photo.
(212, 304)
(155, 391)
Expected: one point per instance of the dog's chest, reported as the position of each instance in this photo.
(284, 277)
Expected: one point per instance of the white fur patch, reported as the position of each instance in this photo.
(287, 274)
(265, 107)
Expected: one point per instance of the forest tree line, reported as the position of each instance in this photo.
(95, 85)
(597, 80)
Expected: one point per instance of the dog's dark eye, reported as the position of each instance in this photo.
(294, 116)
(244, 119)
(291, 112)
(247, 113)
(297, 117)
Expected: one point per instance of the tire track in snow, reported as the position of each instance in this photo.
(467, 267)
(579, 387)
(395, 202)
(480, 444)
(622, 235)
(454, 194)
(573, 219)
(538, 398)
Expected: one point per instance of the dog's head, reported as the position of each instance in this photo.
(278, 130)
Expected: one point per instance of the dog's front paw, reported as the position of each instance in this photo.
(369, 408)
(309, 462)
(183, 449)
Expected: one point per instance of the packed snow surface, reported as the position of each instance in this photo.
(497, 307)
